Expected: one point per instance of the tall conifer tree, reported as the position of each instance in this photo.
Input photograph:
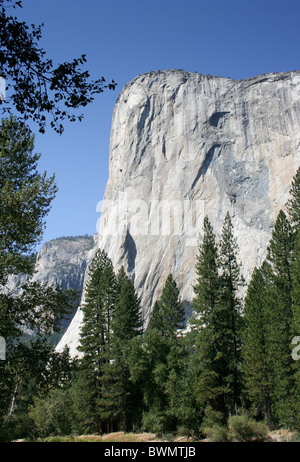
(119, 396)
(207, 321)
(293, 204)
(296, 324)
(163, 359)
(170, 308)
(256, 344)
(296, 284)
(207, 284)
(219, 320)
(271, 316)
(280, 259)
(95, 340)
(231, 282)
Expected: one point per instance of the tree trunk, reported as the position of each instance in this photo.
(13, 400)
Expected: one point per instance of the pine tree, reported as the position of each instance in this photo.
(296, 284)
(163, 360)
(296, 324)
(207, 286)
(207, 321)
(230, 314)
(293, 204)
(280, 258)
(219, 320)
(95, 338)
(156, 317)
(293, 208)
(256, 346)
(169, 308)
(119, 393)
(271, 375)
(185, 398)
(127, 317)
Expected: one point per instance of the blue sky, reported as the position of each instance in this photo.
(125, 38)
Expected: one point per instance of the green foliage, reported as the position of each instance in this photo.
(219, 320)
(155, 349)
(163, 361)
(127, 322)
(230, 302)
(239, 427)
(26, 194)
(186, 405)
(271, 320)
(112, 320)
(296, 284)
(216, 433)
(154, 420)
(243, 428)
(83, 393)
(98, 309)
(207, 286)
(163, 379)
(120, 395)
(53, 415)
(280, 318)
(41, 308)
(96, 333)
(31, 369)
(206, 304)
(169, 307)
(25, 200)
(293, 204)
(256, 338)
(212, 425)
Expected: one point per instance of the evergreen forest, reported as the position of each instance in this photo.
(232, 373)
(234, 365)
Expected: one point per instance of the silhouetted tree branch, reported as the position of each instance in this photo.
(36, 88)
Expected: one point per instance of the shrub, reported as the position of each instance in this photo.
(53, 415)
(243, 428)
(212, 425)
(155, 421)
(216, 433)
(296, 438)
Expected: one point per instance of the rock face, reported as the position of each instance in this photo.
(183, 146)
(61, 262)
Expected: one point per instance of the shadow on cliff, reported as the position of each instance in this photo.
(129, 252)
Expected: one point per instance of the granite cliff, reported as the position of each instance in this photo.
(60, 262)
(63, 261)
(183, 146)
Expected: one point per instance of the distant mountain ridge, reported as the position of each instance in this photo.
(60, 262)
